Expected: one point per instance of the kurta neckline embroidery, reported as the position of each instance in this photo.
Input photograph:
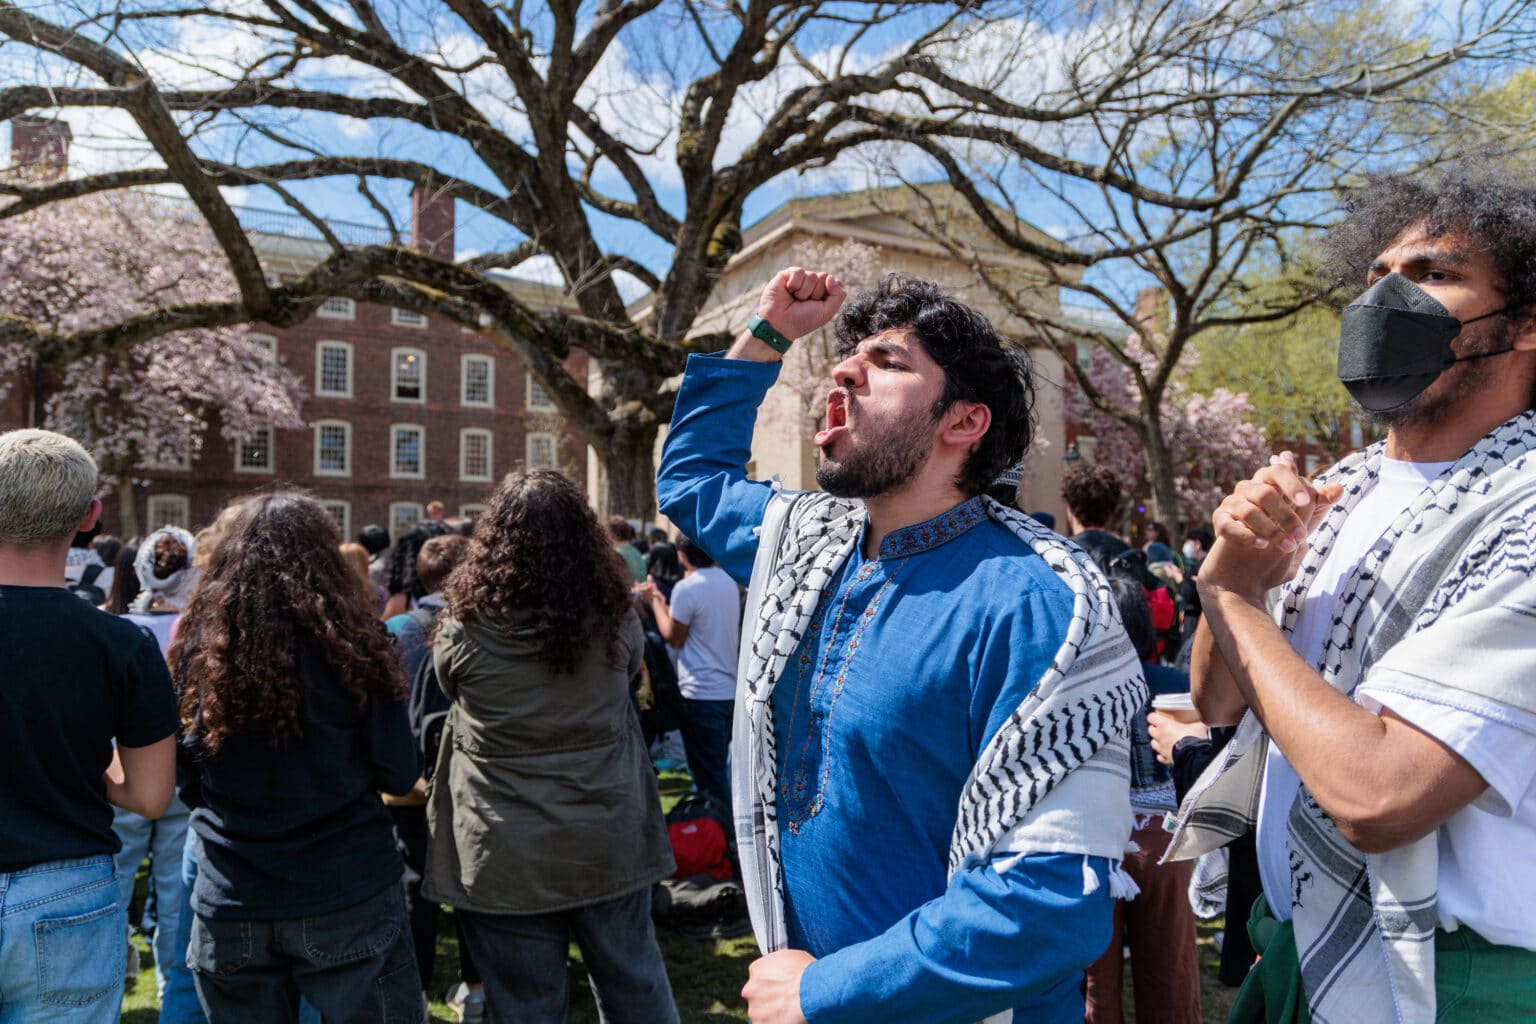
(929, 534)
(794, 786)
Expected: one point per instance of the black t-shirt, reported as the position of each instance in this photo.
(71, 678)
(297, 829)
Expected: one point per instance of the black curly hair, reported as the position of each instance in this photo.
(979, 365)
(1493, 205)
(277, 580)
(539, 551)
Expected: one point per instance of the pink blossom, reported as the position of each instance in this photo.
(93, 261)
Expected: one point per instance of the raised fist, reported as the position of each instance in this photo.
(798, 301)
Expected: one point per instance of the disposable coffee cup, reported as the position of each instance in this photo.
(1178, 706)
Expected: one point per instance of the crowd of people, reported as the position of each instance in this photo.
(969, 764)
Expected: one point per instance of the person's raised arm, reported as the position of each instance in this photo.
(701, 484)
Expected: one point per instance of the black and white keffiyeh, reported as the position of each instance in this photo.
(1440, 608)
(1054, 779)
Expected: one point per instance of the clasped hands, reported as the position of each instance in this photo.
(1262, 529)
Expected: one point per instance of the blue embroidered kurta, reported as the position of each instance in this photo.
(912, 661)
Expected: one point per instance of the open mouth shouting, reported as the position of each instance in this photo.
(839, 412)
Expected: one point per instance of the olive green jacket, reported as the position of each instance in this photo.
(543, 798)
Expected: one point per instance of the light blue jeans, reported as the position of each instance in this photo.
(164, 841)
(63, 943)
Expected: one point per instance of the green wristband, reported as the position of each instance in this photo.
(764, 332)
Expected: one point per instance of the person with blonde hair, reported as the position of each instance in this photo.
(75, 681)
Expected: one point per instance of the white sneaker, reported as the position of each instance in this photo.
(468, 1004)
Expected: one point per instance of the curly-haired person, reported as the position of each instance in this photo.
(1369, 633)
(929, 825)
(546, 824)
(293, 721)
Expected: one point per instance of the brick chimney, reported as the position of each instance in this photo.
(432, 222)
(40, 145)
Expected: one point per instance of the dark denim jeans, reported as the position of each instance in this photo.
(63, 943)
(523, 960)
(354, 965)
(707, 740)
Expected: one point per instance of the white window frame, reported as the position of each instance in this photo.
(472, 510)
(154, 516)
(347, 445)
(394, 375)
(320, 347)
(344, 308)
(395, 471)
(267, 342)
(343, 521)
(554, 442)
(490, 454)
(270, 467)
(490, 381)
(407, 318)
(418, 507)
(531, 397)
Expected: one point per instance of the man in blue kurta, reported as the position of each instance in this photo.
(929, 764)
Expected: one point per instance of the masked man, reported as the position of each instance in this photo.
(929, 758)
(1374, 632)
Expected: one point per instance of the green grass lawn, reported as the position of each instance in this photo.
(706, 976)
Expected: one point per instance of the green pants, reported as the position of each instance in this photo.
(1476, 982)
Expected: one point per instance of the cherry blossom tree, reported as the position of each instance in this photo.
(107, 258)
(1210, 437)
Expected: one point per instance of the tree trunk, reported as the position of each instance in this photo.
(1165, 496)
(626, 474)
(626, 452)
(127, 511)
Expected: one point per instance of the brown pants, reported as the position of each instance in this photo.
(1159, 926)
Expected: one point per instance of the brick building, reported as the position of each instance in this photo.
(403, 409)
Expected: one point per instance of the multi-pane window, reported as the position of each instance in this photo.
(169, 510)
(402, 516)
(266, 342)
(341, 511)
(406, 450)
(333, 448)
(543, 451)
(333, 369)
(470, 512)
(338, 308)
(407, 318)
(254, 454)
(538, 398)
(475, 387)
(410, 375)
(474, 454)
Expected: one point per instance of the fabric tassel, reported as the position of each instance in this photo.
(1090, 878)
(1121, 885)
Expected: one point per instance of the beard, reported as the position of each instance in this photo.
(884, 461)
(1461, 382)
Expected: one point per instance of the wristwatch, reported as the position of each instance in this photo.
(764, 332)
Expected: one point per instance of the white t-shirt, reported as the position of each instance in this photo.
(708, 602)
(1484, 882)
